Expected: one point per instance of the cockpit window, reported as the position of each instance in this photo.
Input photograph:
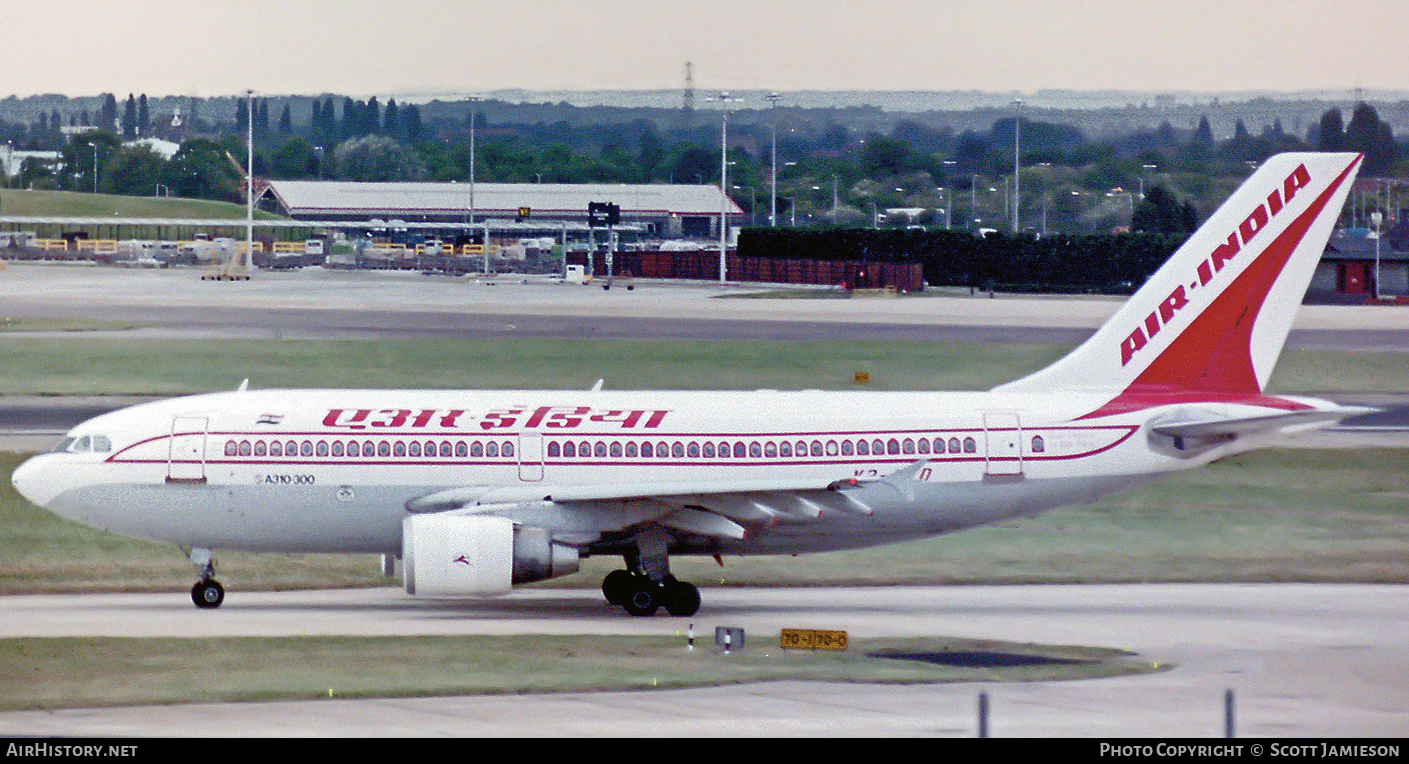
(101, 444)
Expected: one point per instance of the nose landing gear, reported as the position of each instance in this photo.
(207, 593)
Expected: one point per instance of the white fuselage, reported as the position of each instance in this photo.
(334, 470)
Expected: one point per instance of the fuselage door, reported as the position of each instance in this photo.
(1003, 436)
(531, 457)
(186, 458)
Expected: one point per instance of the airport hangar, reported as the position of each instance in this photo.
(656, 211)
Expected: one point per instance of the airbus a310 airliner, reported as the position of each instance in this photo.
(477, 490)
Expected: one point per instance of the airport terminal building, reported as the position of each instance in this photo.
(658, 210)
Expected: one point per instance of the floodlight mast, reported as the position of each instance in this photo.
(474, 100)
(773, 99)
(249, 183)
(1017, 128)
(724, 101)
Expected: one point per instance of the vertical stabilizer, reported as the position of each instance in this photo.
(1213, 318)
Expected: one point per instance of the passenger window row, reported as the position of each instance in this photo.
(767, 449)
(631, 449)
(357, 448)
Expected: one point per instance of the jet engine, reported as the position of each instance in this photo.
(479, 556)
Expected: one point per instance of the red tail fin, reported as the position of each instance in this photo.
(1212, 320)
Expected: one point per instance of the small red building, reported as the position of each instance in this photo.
(1348, 272)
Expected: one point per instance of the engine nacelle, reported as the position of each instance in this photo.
(480, 556)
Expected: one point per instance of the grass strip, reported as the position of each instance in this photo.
(115, 365)
(40, 673)
(79, 364)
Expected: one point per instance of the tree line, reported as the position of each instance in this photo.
(830, 173)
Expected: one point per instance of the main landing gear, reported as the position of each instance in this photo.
(646, 585)
(639, 595)
(207, 593)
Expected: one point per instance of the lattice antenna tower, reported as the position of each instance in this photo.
(687, 117)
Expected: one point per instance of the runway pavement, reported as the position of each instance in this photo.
(1304, 660)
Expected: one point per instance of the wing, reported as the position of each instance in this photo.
(718, 509)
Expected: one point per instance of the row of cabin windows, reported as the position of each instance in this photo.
(443, 448)
(646, 449)
(740, 449)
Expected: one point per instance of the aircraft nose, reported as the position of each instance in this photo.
(33, 479)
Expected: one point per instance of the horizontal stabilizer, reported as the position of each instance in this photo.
(1214, 427)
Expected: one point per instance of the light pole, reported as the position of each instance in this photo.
(773, 99)
(948, 194)
(1146, 168)
(1376, 218)
(1017, 129)
(473, 101)
(724, 101)
(249, 183)
(973, 197)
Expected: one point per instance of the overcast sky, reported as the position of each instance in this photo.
(387, 47)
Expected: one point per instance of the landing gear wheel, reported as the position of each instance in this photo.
(681, 599)
(208, 594)
(617, 586)
(643, 600)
